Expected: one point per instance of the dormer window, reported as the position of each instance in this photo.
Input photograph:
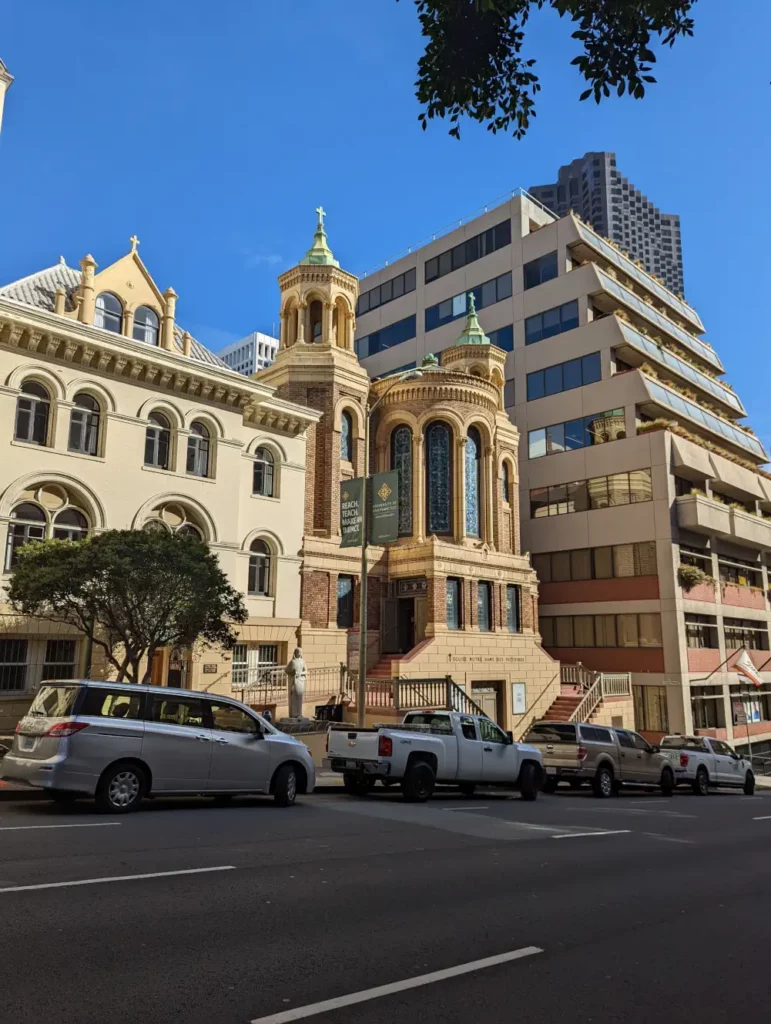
(109, 313)
(146, 325)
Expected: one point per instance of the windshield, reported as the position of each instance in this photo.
(54, 701)
(550, 732)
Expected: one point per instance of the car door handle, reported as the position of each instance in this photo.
(488, 749)
(206, 739)
(218, 740)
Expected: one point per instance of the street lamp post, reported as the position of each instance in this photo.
(361, 682)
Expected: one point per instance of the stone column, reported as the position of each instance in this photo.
(350, 327)
(418, 488)
(128, 322)
(167, 325)
(490, 490)
(282, 333)
(381, 458)
(87, 297)
(327, 332)
(301, 315)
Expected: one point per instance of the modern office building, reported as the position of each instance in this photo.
(593, 187)
(644, 504)
(250, 354)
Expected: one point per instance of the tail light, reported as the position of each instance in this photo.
(683, 760)
(385, 746)
(18, 728)
(581, 753)
(63, 729)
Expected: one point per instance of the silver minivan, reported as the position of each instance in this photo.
(121, 742)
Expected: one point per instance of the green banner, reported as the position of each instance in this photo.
(385, 507)
(351, 513)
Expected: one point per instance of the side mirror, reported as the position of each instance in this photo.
(510, 736)
(656, 748)
(258, 734)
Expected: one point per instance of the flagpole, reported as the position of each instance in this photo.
(744, 696)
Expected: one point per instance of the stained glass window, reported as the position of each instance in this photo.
(346, 437)
(401, 461)
(439, 478)
(505, 481)
(473, 454)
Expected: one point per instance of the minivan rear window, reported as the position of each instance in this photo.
(101, 703)
(54, 701)
(551, 732)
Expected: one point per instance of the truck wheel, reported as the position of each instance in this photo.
(418, 783)
(667, 782)
(467, 788)
(749, 784)
(701, 782)
(528, 781)
(549, 784)
(357, 785)
(602, 785)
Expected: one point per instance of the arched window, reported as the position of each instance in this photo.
(439, 470)
(70, 525)
(472, 477)
(157, 441)
(316, 318)
(346, 437)
(28, 523)
(146, 325)
(84, 425)
(401, 461)
(156, 526)
(259, 568)
(198, 449)
(505, 483)
(109, 312)
(32, 410)
(263, 477)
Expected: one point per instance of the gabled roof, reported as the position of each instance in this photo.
(40, 290)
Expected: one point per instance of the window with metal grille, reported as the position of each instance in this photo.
(13, 665)
(60, 659)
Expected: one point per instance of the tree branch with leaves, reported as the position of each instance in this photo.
(473, 65)
(134, 592)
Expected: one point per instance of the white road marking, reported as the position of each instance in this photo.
(540, 828)
(312, 1009)
(476, 807)
(668, 839)
(24, 828)
(633, 810)
(117, 878)
(764, 817)
(580, 835)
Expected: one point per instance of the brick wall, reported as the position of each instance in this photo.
(315, 597)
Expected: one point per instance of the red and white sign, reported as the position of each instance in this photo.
(745, 668)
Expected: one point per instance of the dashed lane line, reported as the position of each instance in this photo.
(583, 835)
(117, 878)
(89, 824)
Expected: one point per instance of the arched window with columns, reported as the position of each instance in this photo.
(505, 483)
(401, 461)
(346, 436)
(316, 319)
(472, 477)
(439, 472)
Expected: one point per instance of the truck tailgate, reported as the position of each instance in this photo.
(361, 745)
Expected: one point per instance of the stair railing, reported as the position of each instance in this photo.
(615, 684)
(527, 711)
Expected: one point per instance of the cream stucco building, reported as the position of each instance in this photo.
(113, 417)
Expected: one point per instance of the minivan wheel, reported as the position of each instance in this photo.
(603, 783)
(285, 786)
(701, 782)
(120, 789)
(749, 784)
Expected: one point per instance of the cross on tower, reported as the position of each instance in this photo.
(134, 243)
(322, 214)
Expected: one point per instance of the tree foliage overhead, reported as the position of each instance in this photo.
(133, 591)
(473, 64)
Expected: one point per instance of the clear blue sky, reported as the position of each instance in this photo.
(212, 130)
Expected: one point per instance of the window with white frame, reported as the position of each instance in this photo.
(263, 478)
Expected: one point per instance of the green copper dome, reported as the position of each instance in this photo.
(472, 332)
(319, 253)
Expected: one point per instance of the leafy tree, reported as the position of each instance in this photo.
(473, 63)
(133, 591)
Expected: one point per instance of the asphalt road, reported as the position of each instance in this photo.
(635, 909)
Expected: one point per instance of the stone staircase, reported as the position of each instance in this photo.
(562, 708)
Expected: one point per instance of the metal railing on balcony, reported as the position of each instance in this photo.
(420, 695)
(578, 675)
(615, 684)
(270, 685)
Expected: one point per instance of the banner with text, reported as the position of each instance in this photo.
(385, 507)
(351, 512)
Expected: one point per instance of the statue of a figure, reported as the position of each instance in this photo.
(297, 672)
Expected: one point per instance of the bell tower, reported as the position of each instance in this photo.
(316, 365)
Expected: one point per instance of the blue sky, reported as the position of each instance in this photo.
(214, 130)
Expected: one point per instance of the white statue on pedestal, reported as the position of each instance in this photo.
(297, 672)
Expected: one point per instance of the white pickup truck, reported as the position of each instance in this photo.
(704, 763)
(430, 747)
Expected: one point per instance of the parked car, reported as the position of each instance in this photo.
(121, 742)
(705, 763)
(578, 752)
(431, 747)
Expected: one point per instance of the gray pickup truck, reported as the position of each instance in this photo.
(578, 752)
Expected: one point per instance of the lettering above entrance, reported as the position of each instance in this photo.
(411, 588)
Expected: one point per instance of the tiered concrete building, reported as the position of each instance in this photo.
(633, 461)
